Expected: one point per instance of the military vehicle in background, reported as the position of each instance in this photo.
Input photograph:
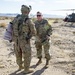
(70, 17)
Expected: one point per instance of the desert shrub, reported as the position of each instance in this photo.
(5, 18)
(51, 21)
(74, 32)
(56, 21)
(2, 24)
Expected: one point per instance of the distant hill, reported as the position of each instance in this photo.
(52, 16)
(8, 14)
(31, 15)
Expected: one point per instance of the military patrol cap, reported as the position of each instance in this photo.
(25, 8)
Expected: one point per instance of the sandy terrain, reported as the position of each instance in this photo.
(62, 51)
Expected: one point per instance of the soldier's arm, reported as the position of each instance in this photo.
(15, 27)
(15, 23)
(49, 31)
(32, 28)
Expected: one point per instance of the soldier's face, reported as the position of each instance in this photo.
(39, 17)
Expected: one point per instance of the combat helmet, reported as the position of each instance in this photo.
(25, 9)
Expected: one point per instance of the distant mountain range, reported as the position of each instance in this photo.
(31, 15)
(53, 16)
(8, 14)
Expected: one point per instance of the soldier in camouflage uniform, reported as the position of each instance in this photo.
(18, 51)
(43, 33)
(23, 30)
(26, 29)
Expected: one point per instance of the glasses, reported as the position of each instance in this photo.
(38, 15)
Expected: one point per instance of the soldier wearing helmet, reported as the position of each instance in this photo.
(23, 28)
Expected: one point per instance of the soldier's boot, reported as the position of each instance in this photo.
(47, 63)
(28, 71)
(20, 67)
(39, 62)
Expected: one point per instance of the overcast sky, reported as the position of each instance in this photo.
(45, 6)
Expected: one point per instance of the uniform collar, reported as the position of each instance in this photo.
(24, 15)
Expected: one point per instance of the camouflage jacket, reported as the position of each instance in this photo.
(43, 28)
(15, 28)
(25, 27)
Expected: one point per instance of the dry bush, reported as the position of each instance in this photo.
(3, 25)
(51, 21)
(74, 32)
(5, 18)
(56, 21)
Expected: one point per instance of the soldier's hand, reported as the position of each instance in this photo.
(48, 37)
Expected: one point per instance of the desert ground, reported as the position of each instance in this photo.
(62, 50)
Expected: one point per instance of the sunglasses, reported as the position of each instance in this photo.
(38, 15)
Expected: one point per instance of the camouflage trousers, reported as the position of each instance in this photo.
(18, 54)
(26, 50)
(46, 46)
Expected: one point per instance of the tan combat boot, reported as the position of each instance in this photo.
(21, 67)
(28, 71)
(47, 63)
(39, 62)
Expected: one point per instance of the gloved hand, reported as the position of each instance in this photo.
(27, 38)
(10, 41)
(48, 37)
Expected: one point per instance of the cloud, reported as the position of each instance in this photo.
(65, 1)
(15, 0)
(42, 2)
(60, 1)
(28, 1)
